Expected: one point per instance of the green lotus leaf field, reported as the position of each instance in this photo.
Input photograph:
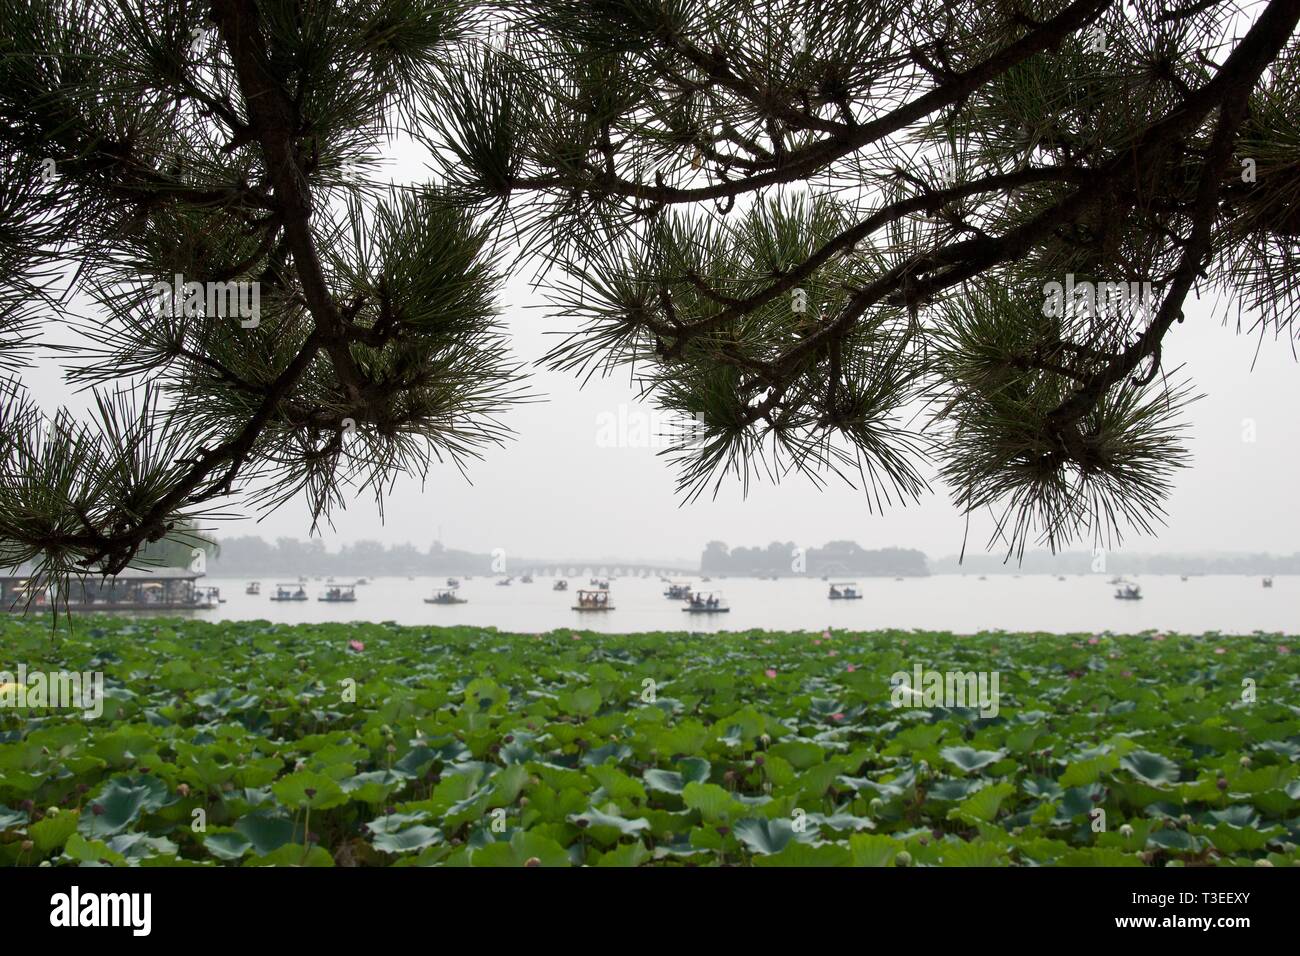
(254, 744)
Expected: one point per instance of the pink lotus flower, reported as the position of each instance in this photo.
(851, 668)
(815, 643)
(356, 646)
(1283, 649)
(770, 672)
(837, 716)
(1094, 640)
(833, 653)
(1157, 637)
(575, 637)
(1220, 650)
(826, 634)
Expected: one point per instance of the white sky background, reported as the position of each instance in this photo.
(554, 492)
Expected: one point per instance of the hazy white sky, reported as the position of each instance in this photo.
(557, 492)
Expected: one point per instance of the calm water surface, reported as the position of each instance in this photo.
(1230, 604)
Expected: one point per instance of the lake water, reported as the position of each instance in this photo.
(960, 603)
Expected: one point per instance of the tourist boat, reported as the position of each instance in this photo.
(845, 591)
(339, 594)
(678, 592)
(706, 603)
(602, 585)
(254, 587)
(1128, 592)
(210, 596)
(453, 583)
(447, 596)
(504, 582)
(1268, 582)
(597, 600)
(526, 579)
(560, 585)
(363, 581)
(289, 592)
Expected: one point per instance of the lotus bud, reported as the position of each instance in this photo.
(532, 861)
(1126, 831)
(877, 805)
(1245, 761)
(903, 858)
(1263, 862)
(27, 846)
(1222, 783)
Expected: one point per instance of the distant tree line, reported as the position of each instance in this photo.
(1118, 563)
(834, 558)
(251, 555)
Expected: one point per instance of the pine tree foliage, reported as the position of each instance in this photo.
(827, 231)
(175, 142)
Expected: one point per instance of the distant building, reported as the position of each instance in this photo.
(135, 589)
